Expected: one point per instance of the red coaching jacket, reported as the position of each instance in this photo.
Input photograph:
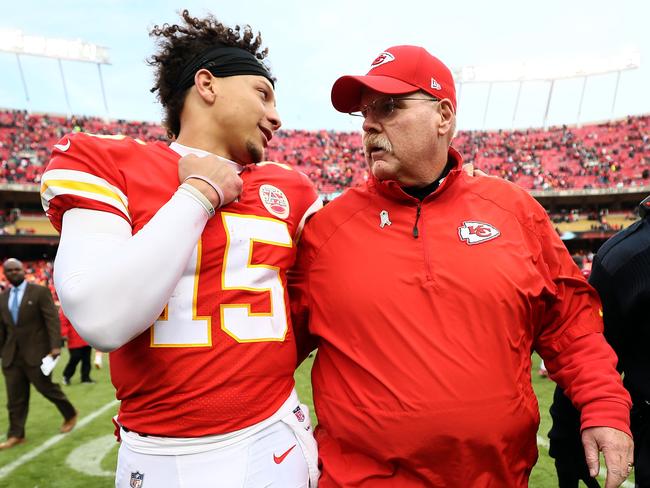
(425, 315)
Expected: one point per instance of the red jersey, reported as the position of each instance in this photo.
(221, 356)
(67, 330)
(425, 314)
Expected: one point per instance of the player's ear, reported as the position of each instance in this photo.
(205, 86)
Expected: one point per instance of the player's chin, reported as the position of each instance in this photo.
(255, 153)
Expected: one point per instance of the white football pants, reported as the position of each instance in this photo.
(270, 458)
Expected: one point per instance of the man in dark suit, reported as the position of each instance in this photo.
(29, 331)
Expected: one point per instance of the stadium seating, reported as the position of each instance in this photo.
(613, 154)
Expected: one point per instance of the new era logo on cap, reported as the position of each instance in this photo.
(397, 71)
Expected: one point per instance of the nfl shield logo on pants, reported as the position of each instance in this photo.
(136, 480)
(299, 415)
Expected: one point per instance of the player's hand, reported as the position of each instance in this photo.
(217, 171)
(470, 170)
(55, 352)
(617, 448)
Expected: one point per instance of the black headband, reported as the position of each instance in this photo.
(222, 61)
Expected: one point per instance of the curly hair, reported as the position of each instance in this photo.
(178, 44)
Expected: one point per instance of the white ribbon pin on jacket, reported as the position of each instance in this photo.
(384, 220)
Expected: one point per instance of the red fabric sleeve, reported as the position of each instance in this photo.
(570, 307)
(298, 283)
(586, 371)
(569, 338)
(82, 174)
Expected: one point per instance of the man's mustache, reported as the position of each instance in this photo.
(376, 141)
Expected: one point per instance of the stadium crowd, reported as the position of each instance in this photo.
(610, 154)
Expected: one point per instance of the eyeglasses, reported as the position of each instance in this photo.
(383, 107)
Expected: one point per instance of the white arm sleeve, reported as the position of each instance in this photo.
(113, 285)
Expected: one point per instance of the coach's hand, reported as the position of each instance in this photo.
(470, 170)
(617, 448)
(217, 171)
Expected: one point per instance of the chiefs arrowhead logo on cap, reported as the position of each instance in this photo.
(383, 58)
(473, 232)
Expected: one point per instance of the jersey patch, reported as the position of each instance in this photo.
(473, 232)
(275, 201)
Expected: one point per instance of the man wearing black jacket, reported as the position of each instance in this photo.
(621, 275)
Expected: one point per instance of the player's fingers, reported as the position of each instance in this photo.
(232, 188)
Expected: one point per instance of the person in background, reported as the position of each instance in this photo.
(29, 331)
(79, 352)
(621, 276)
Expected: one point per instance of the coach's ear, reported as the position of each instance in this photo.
(205, 85)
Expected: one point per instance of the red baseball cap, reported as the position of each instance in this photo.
(396, 71)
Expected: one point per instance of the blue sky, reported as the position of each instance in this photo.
(312, 43)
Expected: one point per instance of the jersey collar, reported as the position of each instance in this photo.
(182, 150)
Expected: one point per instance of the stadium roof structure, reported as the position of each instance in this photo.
(550, 70)
(16, 42)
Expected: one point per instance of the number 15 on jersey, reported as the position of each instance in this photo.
(180, 325)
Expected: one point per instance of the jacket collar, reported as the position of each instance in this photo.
(391, 189)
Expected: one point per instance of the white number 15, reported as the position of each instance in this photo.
(180, 326)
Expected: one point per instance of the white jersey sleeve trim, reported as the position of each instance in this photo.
(114, 285)
(313, 208)
(58, 182)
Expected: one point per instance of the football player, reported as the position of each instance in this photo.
(174, 258)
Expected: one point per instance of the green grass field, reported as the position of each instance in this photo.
(86, 457)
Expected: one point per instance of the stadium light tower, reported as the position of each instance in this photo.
(550, 70)
(14, 41)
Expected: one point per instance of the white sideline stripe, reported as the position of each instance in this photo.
(602, 473)
(28, 456)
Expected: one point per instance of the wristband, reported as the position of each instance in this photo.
(200, 197)
(214, 186)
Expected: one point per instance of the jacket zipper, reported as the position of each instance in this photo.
(416, 232)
